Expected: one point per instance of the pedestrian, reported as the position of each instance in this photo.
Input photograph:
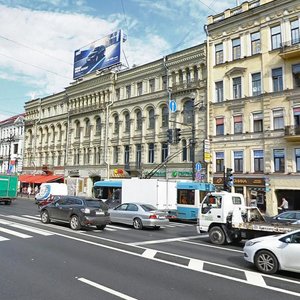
(29, 191)
(284, 204)
(36, 189)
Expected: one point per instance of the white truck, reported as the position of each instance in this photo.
(226, 218)
(47, 190)
(158, 192)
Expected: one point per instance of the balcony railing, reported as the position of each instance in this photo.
(292, 132)
(290, 49)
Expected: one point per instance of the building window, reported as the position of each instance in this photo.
(255, 43)
(138, 156)
(118, 94)
(219, 53)
(296, 75)
(116, 154)
(164, 79)
(188, 75)
(238, 124)
(165, 116)
(276, 37)
(196, 76)
(128, 91)
(164, 151)
(219, 162)
(277, 80)
(139, 120)
(236, 48)
(278, 121)
(77, 131)
(188, 112)
(116, 124)
(237, 87)
(219, 91)
(258, 160)
(139, 88)
(295, 32)
(151, 153)
(152, 85)
(220, 126)
(127, 122)
(297, 158)
(87, 128)
(126, 155)
(279, 163)
(296, 112)
(180, 76)
(257, 122)
(151, 119)
(238, 161)
(98, 126)
(256, 84)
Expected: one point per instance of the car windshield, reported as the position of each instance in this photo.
(148, 207)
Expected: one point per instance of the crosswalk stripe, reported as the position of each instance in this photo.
(117, 227)
(26, 227)
(2, 238)
(32, 217)
(109, 229)
(15, 233)
(23, 219)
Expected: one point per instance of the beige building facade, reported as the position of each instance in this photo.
(113, 124)
(254, 100)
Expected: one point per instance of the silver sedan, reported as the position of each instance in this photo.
(139, 215)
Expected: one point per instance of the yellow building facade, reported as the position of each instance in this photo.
(253, 61)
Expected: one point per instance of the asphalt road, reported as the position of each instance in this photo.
(50, 261)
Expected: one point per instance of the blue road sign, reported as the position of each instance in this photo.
(173, 106)
(198, 166)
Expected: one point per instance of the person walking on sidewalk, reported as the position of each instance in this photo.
(29, 191)
(284, 204)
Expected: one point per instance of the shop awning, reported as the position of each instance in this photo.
(26, 178)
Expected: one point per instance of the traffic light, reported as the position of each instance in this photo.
(177, 137)
(228, 184)
(170, 136)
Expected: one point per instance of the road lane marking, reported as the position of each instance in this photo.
(15, 233)
(118, 227)
(196, 265)
(26, 227)
(2, 238)
(149, 253)
(166, 240)
(212, 246)
(32, 217)
(105, 289)
(255, 278)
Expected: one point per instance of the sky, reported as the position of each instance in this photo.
(38, 38)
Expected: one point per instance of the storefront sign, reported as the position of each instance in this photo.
(241, 181)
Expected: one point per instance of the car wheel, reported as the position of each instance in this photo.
(156, 227)
(45, 217)
(74, 223)
(137, 223)
(266, 262)
(101, 227)
(217, 235)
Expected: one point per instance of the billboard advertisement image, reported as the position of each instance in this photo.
(101, 54)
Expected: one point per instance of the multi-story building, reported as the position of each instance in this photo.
(254, 99)
(11, 144)
(114, 124)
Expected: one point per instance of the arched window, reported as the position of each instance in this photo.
(116, 124)
(77, 130)
(180, 75)
(87, 128)
(188, 112)
(164, 116)
(151, 119)
(98, 125)
(195, 70)
(127, 122)
(139, 123)
(188, 75)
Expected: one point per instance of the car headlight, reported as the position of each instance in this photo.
(250, 243)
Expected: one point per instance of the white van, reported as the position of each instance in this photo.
(51, 189)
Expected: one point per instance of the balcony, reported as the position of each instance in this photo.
(292, 133)
(185, 85)
(290, 49)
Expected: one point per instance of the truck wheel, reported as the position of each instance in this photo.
(137, 223)
(45, 217)
(74, 223)
(217, 235)
(266, 262)
(7, 202)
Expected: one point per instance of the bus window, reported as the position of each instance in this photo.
(186, 197)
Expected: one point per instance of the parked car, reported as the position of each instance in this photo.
(290, 216)
(272, 253)
(78, 211)
(96, 55)
(139, 215)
